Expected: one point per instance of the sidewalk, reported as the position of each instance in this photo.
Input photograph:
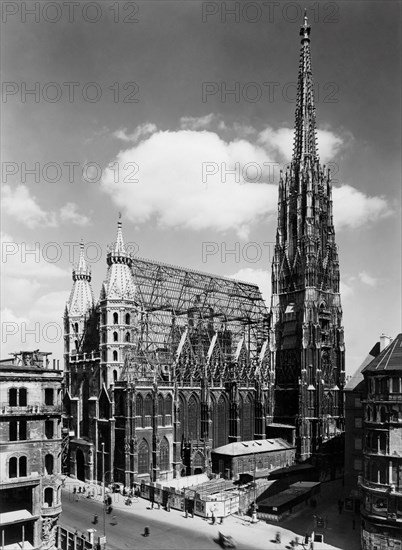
(259, 535)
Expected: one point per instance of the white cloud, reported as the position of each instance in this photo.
(198, 123)
(182, 182)
(24, 208)
(260, 277)
(280, 142)
(352, 208)
(69, 213)
(367, 279)
(19, 204)
(143, 130)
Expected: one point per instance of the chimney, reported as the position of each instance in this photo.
(384, 341)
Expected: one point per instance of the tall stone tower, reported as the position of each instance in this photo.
(118, 311)
(79, 310)
(307, 331)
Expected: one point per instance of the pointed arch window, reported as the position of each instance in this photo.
(76, 327)
(139, 410)
(115, 376)
(148, 411)
(222, 421)
(168, 410)
(164, 462)
(193, 418)
(115, 318)
(128, 318)
(115, 355)
(128, 337)
(115, 336)
(161, 416)
(143, 457)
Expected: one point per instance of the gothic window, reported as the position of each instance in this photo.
(76, 345)
(76, 327)
(48, 498)
(139, 406)
(115, 376)
(222, 421)
(49, 464)
(115, 355)
(127, 318)
(115, 336)
(148, 411)
(12, 467)
(193, 418)
(164, 463)
(127, 336)
(104, 318)
(115, 318)
(161, 416)
(247, 418)
(181, 417)
(198, 463)
(168, 410)
(143, 457)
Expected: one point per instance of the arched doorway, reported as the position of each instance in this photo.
(79, 457)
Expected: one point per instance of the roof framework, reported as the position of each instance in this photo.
(195, 322)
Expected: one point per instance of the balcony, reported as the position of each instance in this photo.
(51, 510)
(35, 408)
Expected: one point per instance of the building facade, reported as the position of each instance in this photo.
(355, 393)
(30, 451)
(256, 458)
(306, 314)
(170, 363)
(381, 482)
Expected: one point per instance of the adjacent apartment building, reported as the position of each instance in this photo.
(381, 482)
(30, 451)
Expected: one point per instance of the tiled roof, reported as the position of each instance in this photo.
(389, 359)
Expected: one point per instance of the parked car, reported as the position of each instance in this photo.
(226, 541)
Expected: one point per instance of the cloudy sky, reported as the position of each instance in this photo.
(180, 115)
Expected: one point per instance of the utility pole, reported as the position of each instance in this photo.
(103, 489)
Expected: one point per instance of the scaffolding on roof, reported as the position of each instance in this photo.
(214, 310)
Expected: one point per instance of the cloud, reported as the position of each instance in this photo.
(197, 123)
(68, 213)
(367, 279)
(183, 181)
(143, 130)
(352, 208)
(259, 277)
(24, 208)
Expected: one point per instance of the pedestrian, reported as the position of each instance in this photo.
(146, 531)
(311, 545)
(221, 520)
(213, 518)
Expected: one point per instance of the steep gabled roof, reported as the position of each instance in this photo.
(389, 359)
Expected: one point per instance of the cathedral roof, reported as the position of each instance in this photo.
(390, 359)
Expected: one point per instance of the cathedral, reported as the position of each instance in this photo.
(171, 363)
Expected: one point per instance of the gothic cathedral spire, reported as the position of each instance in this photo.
(307, 332)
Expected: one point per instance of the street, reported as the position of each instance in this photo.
(128, 533)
